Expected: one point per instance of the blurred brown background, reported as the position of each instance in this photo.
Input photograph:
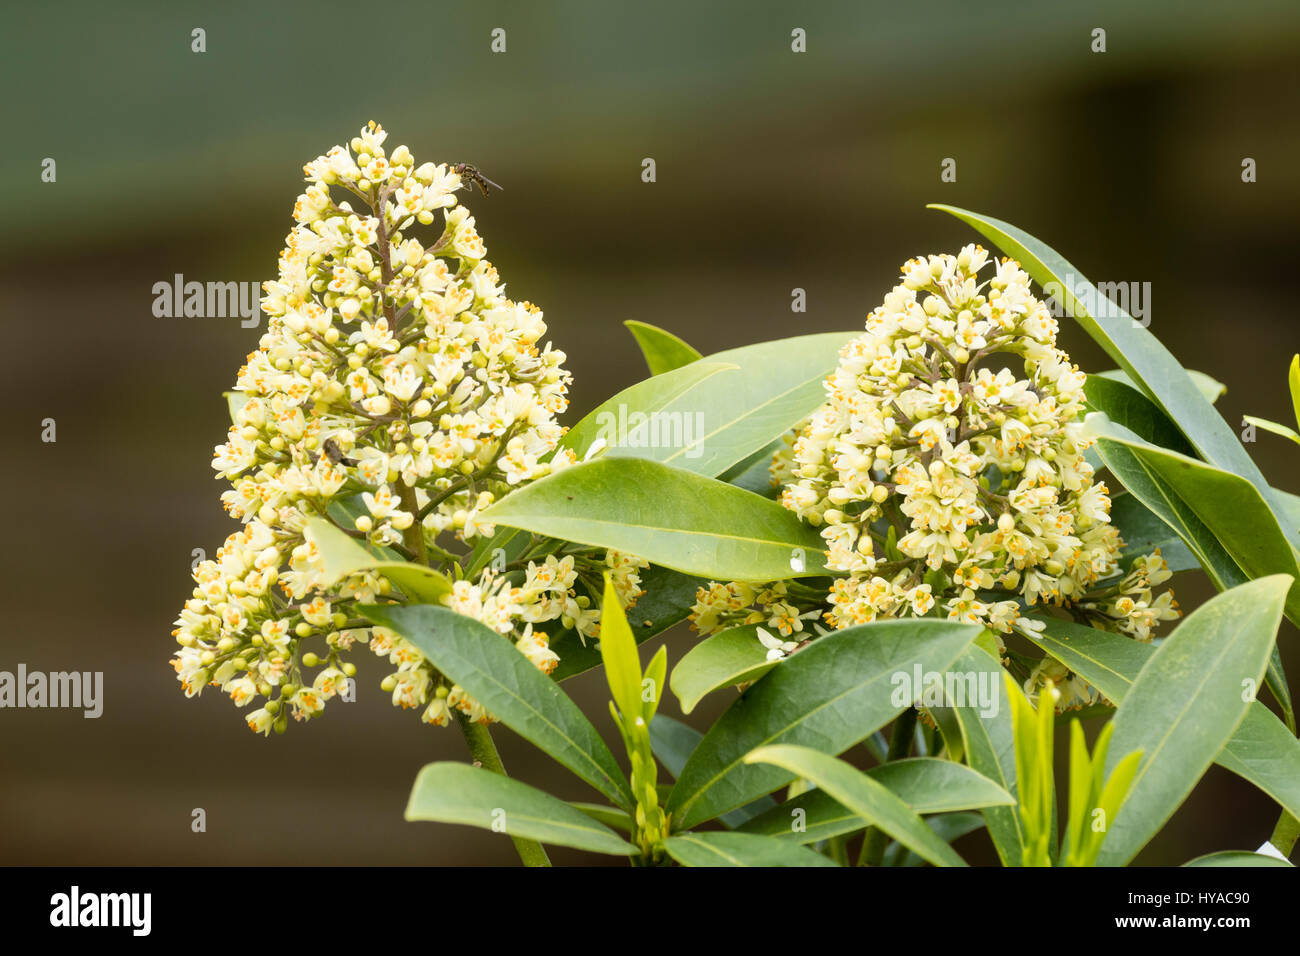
(775, 170)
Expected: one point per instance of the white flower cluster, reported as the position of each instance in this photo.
(945, 483)
(398, 392)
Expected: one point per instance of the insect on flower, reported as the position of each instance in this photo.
(472, 173)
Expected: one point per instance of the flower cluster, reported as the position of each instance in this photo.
(945, 483)
(397, 392)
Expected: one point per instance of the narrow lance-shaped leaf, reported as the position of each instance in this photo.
(924, 784)
(655, 395)
(1293, 382)
(1261, 750)
(833, 693)
(1140, 354)
(342, 556)
(618, 651)
(1185, 704)
(1230, 507)
(729, 657)
(509, 685)
(868, 798)
(663, 351)
(669, 517)
(458, 793)
(717, 421)
(739, 849)
(989, 744)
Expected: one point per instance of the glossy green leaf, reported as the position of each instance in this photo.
(1140, 354)
(659, 394)
(718, 420)
(729, 657)
(473, 796)
(656, 673)
(1185, 704)
(739, 849)
(1272, 427)
(1143, 531)
(832, 694)
(343, 555)
(989, 744)
(1211, 388)
(1293, 383)
(950, 827)
(1126, 405)
(667, 601)
(856, 791)
(924, 784)
(612, 817)
(673, 742)
(1226, 505)
(511, 687)
(670, 517)
(1261, 750)
(618, 651)
(755, 472)
(663, 351)
(1236, 858)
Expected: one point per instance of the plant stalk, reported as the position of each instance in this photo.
(485, 755)
(900, 743)
(1285, 834)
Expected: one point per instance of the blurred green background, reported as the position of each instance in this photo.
(775, 170)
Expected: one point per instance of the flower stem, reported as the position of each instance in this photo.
(485, 755)
(413, 536)
(1285, 833)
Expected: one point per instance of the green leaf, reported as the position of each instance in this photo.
(1228, 506)
(866, 797)
(730, 657)
(663, 351)
(773, 387)
(1143, 532)
(618, 651)
(657, 394)
(343, 555)
(655, 672)
(1185, 704)
(673, 742)
(1124, 404)
(669, 517)
(1293, 382)
(989, 744)
(1273, 427)
(667, 600)
(755, 472)
(612, 817)
(513, 690)
(739, 849)
(949, 826)
(1207, 385)
(924, 784)
(1140, 354)
(1261, 751)
(831, 694)
(459, 793)
(1237, 858)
